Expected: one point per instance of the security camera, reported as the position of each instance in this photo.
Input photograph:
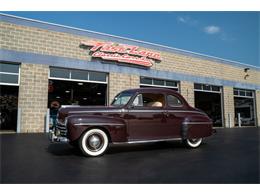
(246, 73)
(246, 69)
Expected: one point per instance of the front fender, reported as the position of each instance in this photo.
(114, 127)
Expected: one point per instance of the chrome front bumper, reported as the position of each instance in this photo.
(59, 133)
(57, 138)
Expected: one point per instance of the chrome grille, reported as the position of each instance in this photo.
(62, 129)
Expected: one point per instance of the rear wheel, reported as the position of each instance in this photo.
(93, 142)
(193, 143)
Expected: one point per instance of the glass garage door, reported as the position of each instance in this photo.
(209, 99)
(244, 102)
(9, 87)
(77, 87)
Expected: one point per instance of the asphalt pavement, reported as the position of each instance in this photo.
(229, 156)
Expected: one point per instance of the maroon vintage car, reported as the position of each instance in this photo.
(135, 116)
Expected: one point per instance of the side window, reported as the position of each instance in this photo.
(173, 101)
(138, 101)
(149, 100)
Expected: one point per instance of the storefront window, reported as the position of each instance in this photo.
(152, 82)
(9, 74)
(9, 68)
(144, 80)
(158, 82)
(79, 75)
(242, 93)
(59, 73)
(8, 78)
(206, 87)
(171, 83)
(215, 88)
(97, 76)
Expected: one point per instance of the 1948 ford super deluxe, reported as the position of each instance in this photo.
(135, 116)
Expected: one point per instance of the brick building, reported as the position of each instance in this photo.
(44, 65)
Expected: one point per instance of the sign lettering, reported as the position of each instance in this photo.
(122, 53)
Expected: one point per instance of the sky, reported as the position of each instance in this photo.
(229, 35)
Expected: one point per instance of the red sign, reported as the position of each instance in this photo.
(122, 53)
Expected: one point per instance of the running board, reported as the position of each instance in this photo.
(148, 141)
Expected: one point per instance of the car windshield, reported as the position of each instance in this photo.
(122, 98)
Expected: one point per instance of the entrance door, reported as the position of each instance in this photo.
(75, 87)
(244, 107)
(208, 98)
(8, 107)
(9, 86)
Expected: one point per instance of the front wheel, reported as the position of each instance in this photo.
(193, 143)
(93, 142)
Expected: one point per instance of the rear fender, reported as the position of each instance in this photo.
(114, 127)
(198, 126)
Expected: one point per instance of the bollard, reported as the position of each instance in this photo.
(18, 126)
(47, 121)
(229, 120)
(239, 119)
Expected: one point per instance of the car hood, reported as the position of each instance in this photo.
(64, 111)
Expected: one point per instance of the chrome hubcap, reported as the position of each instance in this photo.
(94, 142)
(194, 140)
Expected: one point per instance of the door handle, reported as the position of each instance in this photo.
(166, 114)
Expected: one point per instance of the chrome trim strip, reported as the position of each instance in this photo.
(110, 124)
(190, 111)
(196, 123)
(130, 110)
(134, 111)
(170, 111)
(148, 141)
(95, 111)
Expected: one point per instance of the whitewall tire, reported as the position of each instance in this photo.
(93, 142)
(193, 143)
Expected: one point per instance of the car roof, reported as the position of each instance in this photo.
(153, 90)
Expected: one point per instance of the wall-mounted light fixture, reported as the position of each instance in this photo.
(246, 73)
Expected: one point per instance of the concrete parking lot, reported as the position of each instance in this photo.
(230, 156)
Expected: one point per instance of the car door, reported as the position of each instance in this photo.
(146, 117)
(175, 114)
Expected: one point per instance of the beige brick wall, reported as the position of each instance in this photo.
(258, 107)
(229, 110)
(205, 68)
(33, 97)
(33, 89)
(40, 41)
(187, 91)
(35, 40)
(119, 82)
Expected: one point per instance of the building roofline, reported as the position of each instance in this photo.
(154, 45)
